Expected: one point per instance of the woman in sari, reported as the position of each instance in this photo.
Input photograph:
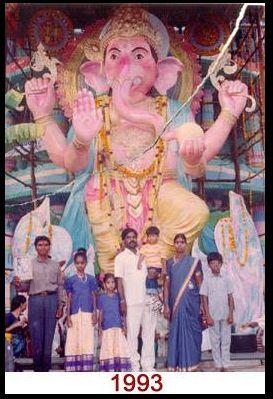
(182, 308)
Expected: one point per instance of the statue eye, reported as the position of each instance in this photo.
(113, 56)
(139, 56)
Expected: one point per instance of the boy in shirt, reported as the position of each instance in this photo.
(216, 293)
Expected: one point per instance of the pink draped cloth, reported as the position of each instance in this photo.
(137, 223)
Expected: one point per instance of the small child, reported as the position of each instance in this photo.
(218, 305)
(15, 326)
(154, 258)
(81, 317)
(114, 352)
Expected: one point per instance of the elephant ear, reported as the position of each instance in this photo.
(168, 70)
(94, 77)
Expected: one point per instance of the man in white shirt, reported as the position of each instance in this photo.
(132, 291)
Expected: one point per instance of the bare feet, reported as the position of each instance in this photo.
(225, 369)
(218, 369)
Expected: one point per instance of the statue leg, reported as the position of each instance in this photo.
(106, 238)
(179, 211)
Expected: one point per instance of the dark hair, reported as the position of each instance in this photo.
(153, 230)
(180, 235)
(81, 250)
(214, 256)
(17, 301)
(126, 231)
(80, 253)
(107, 276)
(41, 238)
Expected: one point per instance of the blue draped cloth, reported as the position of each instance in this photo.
(185, 336)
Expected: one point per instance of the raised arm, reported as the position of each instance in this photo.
(86, 120)
(231, 108)
(197, 149)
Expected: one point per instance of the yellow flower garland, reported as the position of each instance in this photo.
(27, 244)
(105, 161)
(232, 242)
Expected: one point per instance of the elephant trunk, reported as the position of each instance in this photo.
(132, 112)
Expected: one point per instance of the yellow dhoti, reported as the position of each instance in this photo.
(178, 211)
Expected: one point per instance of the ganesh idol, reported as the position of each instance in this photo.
(127, 173)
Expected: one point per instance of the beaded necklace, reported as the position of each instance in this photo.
(82, 278)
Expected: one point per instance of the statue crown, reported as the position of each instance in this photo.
(129, 21)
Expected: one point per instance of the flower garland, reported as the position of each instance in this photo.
(107, 166)
(30, 225)
(231, 238)
(28, 233)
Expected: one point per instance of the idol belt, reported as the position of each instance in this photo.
(45, 293)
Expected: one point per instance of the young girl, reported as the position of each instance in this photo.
(114, 353)
(81, 317)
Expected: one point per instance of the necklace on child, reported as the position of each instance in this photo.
(82, 277)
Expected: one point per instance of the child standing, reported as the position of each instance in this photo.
(81, 317)
(154, 258)
(114, 352)
(218, 304)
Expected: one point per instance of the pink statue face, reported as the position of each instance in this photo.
(130, 61)
(131, 58)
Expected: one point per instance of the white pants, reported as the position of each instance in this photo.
(220, 337)
(206, 345)
(141, 315)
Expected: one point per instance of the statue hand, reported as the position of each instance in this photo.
(40, 96)
(192, 148)
(86, 120)
(232, 96)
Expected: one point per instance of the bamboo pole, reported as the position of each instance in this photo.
(237, 187)
(262, 74)
(33, 177)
